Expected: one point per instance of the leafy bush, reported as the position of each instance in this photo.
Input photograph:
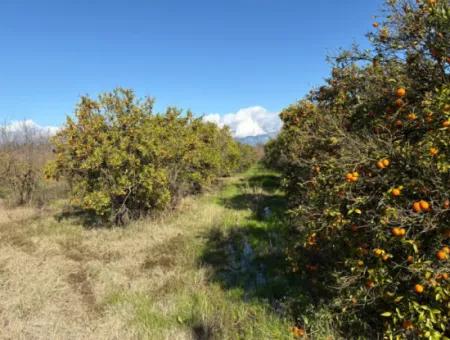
(366, 161)
(122, 161)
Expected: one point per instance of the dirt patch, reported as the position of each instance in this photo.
(74, 250)
(79, 281)
(164, 254)
(166, 262)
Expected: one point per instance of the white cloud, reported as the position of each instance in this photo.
(17, 127)
(251, 121)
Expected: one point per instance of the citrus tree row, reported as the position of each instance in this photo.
(366, 162)
(122, 161)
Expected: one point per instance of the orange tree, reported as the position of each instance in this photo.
(366, 161)
(123, 161)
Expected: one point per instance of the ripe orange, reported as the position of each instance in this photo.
(396, 192)
(416, 207)
(378, 252)
(375, 24)
(398, 231)
(298, 331)
(412, 116)
(442, 255)
(407, 324)
(446, 123)
(434, 151)
(410, 259)
(424, 205)
(380, 165)
(401, 92)
(386, 162)
(431, 2)
(418, 288)
(352, 176)
(446, 249)
(445, 276)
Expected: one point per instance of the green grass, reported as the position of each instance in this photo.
(215, 269)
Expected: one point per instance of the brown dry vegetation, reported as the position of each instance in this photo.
(60, 280)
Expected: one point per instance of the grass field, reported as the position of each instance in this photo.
(208, 271)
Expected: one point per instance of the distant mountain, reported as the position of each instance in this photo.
(255, 140)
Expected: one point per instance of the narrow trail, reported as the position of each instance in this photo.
(208, 271)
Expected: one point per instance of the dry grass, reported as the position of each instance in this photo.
(59, 280)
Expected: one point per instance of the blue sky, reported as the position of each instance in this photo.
(210, 56)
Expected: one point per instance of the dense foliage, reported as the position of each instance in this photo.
(366, 161)
(122, 161)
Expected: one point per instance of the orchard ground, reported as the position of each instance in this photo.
(212, 269)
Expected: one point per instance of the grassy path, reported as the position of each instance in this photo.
(208, 271)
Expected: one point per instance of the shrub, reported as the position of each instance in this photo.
(366, 161)
(23, 153)
(123, 161)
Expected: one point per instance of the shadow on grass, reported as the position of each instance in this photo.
(78, 216)
(252, 257)
(258, 193)
(270, 183)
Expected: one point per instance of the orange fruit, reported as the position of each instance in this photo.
(446, 249)
(380, 165)
(446, 123)
(378, 252)
(412, 116)
(416, 207)
(349, 177)
(399, 103)
(418, 288)
(442, 255)
(445, 276)
(297, 331)
(375, 24)
(446, 204)
(407, 324)
(410, 259)
(431, 2)
(398, 231)
(396, 192)
(434, 151)
(401, 92)
(424, 205)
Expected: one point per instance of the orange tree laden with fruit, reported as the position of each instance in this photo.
(122, 161)
(366, 161)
